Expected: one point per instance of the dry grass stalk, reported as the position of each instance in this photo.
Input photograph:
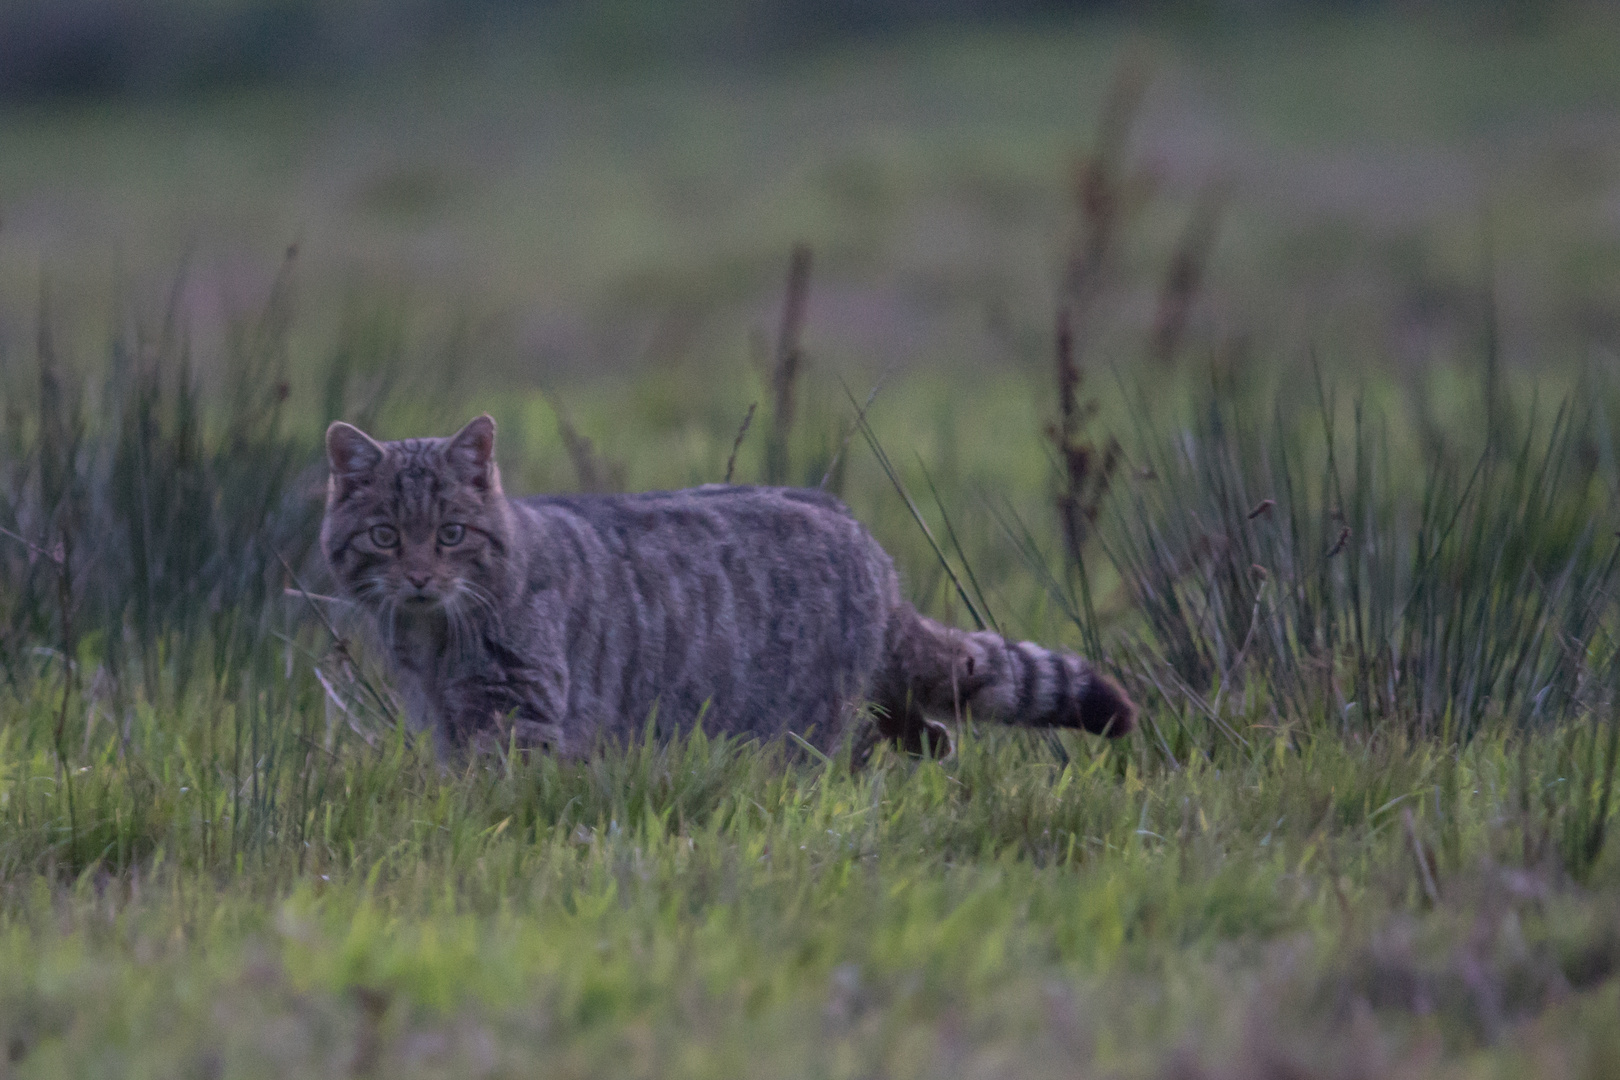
(1087, 468)
(1100, 190)
(736, 444)
(788, 362)
(1424, 862)
(833, 479)
(1184, 277)
(1100, 186)
(596, 473)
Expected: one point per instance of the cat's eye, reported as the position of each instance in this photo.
(450, 535)
(385, 536)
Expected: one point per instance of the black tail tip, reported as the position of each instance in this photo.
(1105, 708)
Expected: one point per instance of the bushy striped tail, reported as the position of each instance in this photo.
(936, 672)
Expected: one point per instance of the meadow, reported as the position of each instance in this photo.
(1271, 368)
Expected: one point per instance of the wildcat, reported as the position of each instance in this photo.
(555, 621)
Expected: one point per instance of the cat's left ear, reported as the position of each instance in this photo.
(471, 453)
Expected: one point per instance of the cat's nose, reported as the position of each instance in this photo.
(418, 580)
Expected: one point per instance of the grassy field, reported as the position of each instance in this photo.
(1333, 496)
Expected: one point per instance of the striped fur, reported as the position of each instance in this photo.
(563, 620)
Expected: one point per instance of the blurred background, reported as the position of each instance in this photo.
(599, 199)
(1221, 340)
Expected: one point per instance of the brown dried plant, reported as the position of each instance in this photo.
(788, 363)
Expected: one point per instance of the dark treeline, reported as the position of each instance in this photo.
(101, 48)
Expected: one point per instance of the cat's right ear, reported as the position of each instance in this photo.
(351, 453)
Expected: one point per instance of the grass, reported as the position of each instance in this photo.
(1368, 608)
(1363, 829)
(704, 907)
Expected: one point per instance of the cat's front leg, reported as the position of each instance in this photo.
(424, 705)
(508, 702)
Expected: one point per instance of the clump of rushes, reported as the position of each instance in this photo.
(162, 510)
(1277, 568)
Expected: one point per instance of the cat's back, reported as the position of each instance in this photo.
(768, 603)
(768, 521)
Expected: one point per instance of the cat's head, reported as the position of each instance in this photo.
(417, 525)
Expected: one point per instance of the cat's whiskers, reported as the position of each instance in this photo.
(369, 590)
(459, 629)
(475, 609)
(373, 596)
(480, 597)
(387, 620)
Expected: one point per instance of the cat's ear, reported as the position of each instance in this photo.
(471, 453)
(351, 452)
